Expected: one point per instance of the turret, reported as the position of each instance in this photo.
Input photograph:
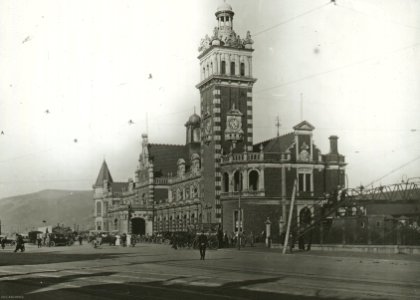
(193, 137)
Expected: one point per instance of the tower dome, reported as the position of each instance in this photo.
(194, 119)
(224, 7)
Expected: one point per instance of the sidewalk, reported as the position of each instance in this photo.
(316, 251)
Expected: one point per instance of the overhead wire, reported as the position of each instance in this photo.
(411, 46)
(393, 171)
(377, 17)
(291, 19)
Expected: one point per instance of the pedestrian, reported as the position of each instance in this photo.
(251, 239)
(39, 240)
(3, 242)
(47, 240)
(174, 241)
(220, 237)
(226, 240)
(80, 239)
(124, 239)
(20, 244)
(202, 242)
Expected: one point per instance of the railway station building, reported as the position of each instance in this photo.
(219, 176)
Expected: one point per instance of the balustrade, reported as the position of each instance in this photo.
(243, 157)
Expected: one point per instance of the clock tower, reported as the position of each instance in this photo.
(226, 103)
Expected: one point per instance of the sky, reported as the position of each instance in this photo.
(351, 69)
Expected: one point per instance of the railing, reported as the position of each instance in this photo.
(161, 180)
(246, 193)
(243, 157)
(186, 176)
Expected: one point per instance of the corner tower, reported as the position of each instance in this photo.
(226, 103)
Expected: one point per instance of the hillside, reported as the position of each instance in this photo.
(22, 213)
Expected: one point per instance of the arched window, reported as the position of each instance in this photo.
(237, 185)
(188, 135)
(195, 191)
(253, 180)
(223, 67)
(196, 135)
(232, 68)
(99, 208)
(242, 69)
(115, 224)
(226, 182)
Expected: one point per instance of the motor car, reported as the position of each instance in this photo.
(58, 239)
(8, 240)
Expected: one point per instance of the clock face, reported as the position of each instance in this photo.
(234, 124)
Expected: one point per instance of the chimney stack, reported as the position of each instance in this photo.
(333, 144)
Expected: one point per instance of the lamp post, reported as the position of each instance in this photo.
(130, 210)
(239, 210)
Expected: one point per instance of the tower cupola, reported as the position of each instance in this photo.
(193, 133)
(224, 15)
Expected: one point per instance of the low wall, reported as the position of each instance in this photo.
(383, 249)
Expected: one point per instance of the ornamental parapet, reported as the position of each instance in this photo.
(161, 180)
(174, 204)
(243, 157)
(185, 177)
(245, 194)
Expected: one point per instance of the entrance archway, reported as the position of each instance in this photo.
(138, 226)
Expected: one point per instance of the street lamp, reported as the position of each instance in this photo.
(239, 210)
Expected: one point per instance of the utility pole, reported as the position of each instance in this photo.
(289, 220)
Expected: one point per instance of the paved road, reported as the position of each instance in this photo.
(150, 271)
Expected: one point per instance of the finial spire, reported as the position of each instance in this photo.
(147, 124)
(278, 124)
(301, 106)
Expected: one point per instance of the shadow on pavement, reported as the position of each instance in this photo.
(11, 259)
(28, 288)
(20, 288)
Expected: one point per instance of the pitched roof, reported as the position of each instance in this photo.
(304, 125)
(277, 144)
(119, 187)
(165, 157)
(104, 174)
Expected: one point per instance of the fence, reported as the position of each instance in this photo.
(367, 230)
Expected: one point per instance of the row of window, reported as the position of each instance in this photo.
(190, 192)
(178, 217)
(253, 181)
(223, 68)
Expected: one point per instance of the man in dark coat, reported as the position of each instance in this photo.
(202, 244)
(20, 244)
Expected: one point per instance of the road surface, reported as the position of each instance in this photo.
(150, 271)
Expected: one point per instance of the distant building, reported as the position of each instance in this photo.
(196, 184)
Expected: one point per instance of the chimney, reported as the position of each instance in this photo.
(333, 144)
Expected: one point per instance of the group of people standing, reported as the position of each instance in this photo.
(231, 240)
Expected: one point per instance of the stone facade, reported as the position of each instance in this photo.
(200, 183)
